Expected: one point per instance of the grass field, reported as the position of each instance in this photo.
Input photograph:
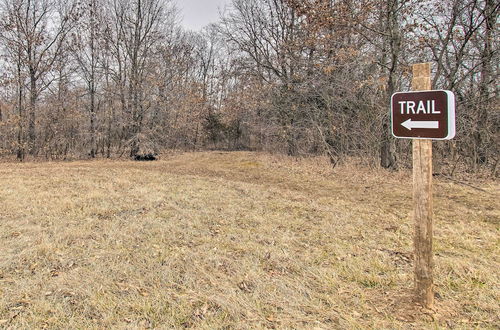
(237, 240)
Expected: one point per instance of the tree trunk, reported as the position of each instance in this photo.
(32, 114)
(20, 129)
(92, 87)
(93, 144)
(481, 135)
(388, 144)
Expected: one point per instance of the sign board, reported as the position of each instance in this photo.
(423, 115)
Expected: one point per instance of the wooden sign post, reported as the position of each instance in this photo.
(423, 115)
(422, 199)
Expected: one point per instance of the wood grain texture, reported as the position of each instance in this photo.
(422, 196)
(421, 77)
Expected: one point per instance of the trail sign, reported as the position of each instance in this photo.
(423, 115)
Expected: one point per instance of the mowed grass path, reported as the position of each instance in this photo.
(236, 240)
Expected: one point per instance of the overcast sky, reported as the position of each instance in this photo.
(199, 13)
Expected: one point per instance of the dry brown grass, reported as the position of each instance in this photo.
(236, 240)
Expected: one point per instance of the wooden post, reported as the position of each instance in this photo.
(422, 198)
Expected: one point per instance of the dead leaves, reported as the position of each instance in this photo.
(246, 286)
(55, 273)
(205, 308)
(21, 304)
(127, 288)
(15, 309)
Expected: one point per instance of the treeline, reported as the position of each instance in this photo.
(107, 78)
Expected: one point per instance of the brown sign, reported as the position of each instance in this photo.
(423, 115)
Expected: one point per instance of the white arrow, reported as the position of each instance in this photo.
(409, 124)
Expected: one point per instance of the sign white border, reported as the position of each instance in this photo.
(451, 115)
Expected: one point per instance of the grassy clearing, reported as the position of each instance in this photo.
(236, 240)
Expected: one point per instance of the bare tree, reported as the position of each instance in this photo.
(87, 44)
(38, 29)
(139, 29)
